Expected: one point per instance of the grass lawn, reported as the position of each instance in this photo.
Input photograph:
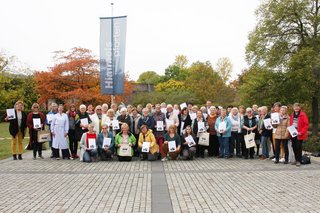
(5, 145)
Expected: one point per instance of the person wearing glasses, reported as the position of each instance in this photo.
(105, 143)
(97, 119)
(35, 126)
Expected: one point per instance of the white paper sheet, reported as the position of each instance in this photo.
(275, 118)
(190, 141)
(163, 110)
(92, 143)
(159, 125)
(11, 114)
(145, 147)
(183, 105)
(201, 127)
(293, 131)
(37, 123)
(49, 118)
(106, 142)
(222, 126)
(115, 125)
(267, 123)
(172, 146)
(193, 116)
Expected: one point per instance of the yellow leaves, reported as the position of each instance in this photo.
(170, 85)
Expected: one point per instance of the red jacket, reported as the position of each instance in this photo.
(303, 125)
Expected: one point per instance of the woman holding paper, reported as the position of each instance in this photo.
(159, 119)
(281, 134)
(299, 120)
(171, 117)
(188, 144)
(124, 142)
(17, 128)
(147, 144)
(265, 130)
(213, 149)
(59, 130)
(199, 126)
(105, 143)
(88, 145)
(82, 121)
(249, 126)
(73, 144)
(184, 121)
(35, 122)
(171, 144)
(146, 119)
(223, 129)
(235, 119)
(123, 118)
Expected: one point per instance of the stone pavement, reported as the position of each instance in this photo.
(202, 185)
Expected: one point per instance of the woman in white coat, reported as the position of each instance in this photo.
(59, 130)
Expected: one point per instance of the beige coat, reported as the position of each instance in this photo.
(281, 129)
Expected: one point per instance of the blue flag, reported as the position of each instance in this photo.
(112, 54)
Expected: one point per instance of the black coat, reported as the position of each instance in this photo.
(254, 123)
(187, 122)
(14, 127)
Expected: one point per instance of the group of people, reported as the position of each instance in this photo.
(161, 131)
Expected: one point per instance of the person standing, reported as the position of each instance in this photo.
(146, 119)
(197, 130)
(81, 127)
(249, 126)
(97, 119)
(223, 129)
(213, 149)
(235, 118)
(59, 131)
(299, 120)
(17, 129)
(159, 133)
(53, 111)
(73, 144)
(34, 128)
(265, 133)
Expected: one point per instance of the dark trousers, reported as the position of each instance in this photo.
(235, 141)
(37, 147)
(286, 150)
(73, 143)
(104, 155)
(127, 158)
(65, 153)
(297, 148)
(213, 149)
(200, 149)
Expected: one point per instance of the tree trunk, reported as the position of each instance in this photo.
(315, 115)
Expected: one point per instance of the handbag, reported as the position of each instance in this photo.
(125, 150)
(204, 139)
(44, 136)
(305, 159)
(249, 140)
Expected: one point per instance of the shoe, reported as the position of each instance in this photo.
(164, 159)
(34, 158)
(263, 158)
(246, 158)
(293, 163)
(220, 156)
(251, 157)
(282, 160)
(276, 162)
(41, 157)
(70, 158)
(142, 159)
(286, 162)
(298, 164)
(14, 157)
(57, 158)
(20, 157)
(273, 159)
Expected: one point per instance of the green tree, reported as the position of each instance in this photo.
(149, 77)
(288, 31)
(224, 68)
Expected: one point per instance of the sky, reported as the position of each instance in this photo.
(157, 31)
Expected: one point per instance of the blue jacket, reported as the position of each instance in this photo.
(228, 124)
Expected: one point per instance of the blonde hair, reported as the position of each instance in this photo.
(173, 127)
(19, 102)
(124, 126)
(35, 105)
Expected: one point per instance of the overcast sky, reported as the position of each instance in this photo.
(157, 31)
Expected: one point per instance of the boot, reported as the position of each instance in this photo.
(20, 157)
(14, 157)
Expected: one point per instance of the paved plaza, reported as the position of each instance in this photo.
(202, 185)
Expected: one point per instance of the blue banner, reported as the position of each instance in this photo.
(112, 54)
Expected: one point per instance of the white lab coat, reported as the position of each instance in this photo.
(60, 126)
(96, 123)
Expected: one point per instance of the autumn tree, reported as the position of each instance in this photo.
(74, 78)
(224, 68)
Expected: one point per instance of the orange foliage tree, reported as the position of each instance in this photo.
(75, 79)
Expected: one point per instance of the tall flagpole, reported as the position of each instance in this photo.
(112, 53)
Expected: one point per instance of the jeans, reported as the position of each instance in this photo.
(264, 144)
(88, 154)
(224, 146)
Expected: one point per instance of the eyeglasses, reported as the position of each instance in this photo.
(104, 128)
